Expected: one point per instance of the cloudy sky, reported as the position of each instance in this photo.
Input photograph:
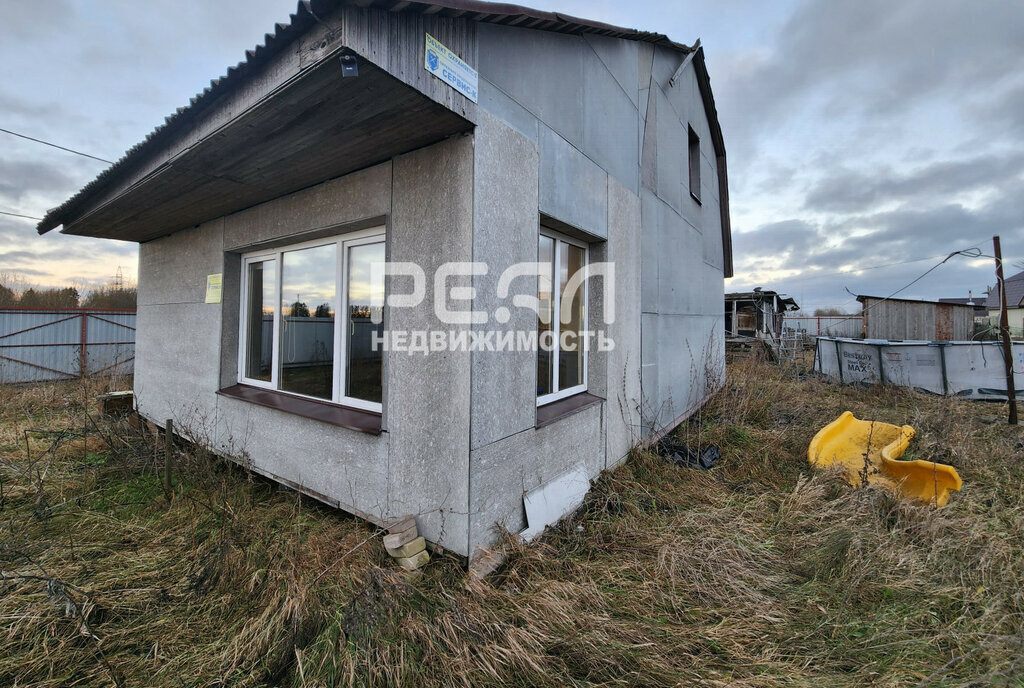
(866, 139)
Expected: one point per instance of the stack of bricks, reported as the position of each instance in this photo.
(405, 545)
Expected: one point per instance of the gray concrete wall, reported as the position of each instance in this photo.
(682, 324)
(585, 111)
(187, 349)
(601, 108)
(509, 454)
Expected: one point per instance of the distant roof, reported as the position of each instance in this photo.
(977, 302)
(947, 302)
(1014, 293)
(787, 302)
(308, 14)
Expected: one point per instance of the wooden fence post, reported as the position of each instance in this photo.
(82, 358)
(168, 454)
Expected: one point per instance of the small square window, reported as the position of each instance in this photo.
(694, 156)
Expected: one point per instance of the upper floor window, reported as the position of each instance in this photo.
(562, 318)
(694, 157)
(290, 336)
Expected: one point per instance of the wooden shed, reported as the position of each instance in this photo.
(908, 319)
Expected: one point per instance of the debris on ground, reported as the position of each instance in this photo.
(677, 452)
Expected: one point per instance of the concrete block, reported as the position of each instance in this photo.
(401, 524)
(408, 549)
(400, 538)
(116, 403)
(414, 562)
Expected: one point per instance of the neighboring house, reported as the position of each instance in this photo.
(980, 309)
(909, 319)
(757, 314)
(1014, 303)
(266, 207)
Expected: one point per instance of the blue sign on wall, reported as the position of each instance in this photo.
(446, 66)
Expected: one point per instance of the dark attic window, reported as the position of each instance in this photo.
(694, 154)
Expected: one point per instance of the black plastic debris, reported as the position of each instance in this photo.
(675, 451)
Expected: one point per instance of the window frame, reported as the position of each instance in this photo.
(342, 243)
(693, 158)
(559, 394)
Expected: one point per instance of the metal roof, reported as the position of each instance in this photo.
(308, 14)
(1014, 293)
(863, 297)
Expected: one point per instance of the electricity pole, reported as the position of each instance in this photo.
(1004, 328)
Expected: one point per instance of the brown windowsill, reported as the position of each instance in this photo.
(326, 412)
(556, 410)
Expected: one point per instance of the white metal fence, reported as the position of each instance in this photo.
(974, 370)
(825, 325)
(37, 345)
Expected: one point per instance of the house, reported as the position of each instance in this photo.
(979, 304)
(1014, 304)
(757, 313)
(360, 251)
(909, 319)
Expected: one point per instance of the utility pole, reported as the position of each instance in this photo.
(1004, 328)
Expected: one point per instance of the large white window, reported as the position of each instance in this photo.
(561, 368)
(291, 339)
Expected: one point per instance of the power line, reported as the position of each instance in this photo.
(972, 252)
(854, 271)
(27, 217)
(54, 145)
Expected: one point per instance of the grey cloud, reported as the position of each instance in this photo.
(1005, 116)
(788, 236)
(38, 19)
(875, 57)
(20, 177)
(896, 237)
(846, 191)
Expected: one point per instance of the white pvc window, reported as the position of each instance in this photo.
(562, 318)
(309, 313)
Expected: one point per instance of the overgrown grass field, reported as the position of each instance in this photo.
(756, 573)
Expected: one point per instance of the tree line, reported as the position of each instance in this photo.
(15, 294)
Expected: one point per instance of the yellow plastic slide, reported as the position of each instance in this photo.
(868, 452)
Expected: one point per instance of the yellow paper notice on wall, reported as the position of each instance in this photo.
(213, 288)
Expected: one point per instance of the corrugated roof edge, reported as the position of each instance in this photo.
(863, 297)
(306, 15)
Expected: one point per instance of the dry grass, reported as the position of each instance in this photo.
(753, 574)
